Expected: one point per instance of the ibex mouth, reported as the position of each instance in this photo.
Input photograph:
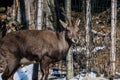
(1, 69)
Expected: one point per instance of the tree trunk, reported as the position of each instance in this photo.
(18, 12)
(14, 11)
(23, 14)
(68, 8)
(83, 10)
(39, 15)
(113, 35)
(69, 57)
(70, 72)
(27, 9)
(50, 14)
(88, 33)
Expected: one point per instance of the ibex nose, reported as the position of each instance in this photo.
(75, 40)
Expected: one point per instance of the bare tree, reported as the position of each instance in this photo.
(69, 57)
(27, 9)
(113, 35)
(39, 15)
(49, 14)
(18, 12)
(68, 8)
(14, 10)
(88, 29)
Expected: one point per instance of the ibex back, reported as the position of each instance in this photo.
(43, 46)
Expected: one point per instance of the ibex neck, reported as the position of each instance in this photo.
(64, 37)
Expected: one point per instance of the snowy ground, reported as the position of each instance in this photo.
(25, 73)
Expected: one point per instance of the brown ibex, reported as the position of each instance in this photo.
(43, 46)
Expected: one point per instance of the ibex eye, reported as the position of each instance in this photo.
(67, 30)
(78, 31)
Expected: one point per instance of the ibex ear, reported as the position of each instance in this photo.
(63, 24)
(77, 22)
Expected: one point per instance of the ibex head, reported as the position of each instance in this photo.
(71, 30)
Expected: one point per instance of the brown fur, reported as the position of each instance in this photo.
(43, 46)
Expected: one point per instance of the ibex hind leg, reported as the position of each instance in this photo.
(44, 65)
(41, 76)
(12, 66)
(45, 73)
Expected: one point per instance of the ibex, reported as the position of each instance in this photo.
(42, 46)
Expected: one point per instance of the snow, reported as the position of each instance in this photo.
(98, 48)
(24, 73)
(82, 76)
(94, 31)
(57, 72)
(95, 50)
(60, 79)
(0, 75)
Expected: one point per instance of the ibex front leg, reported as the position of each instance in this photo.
(12, 66)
